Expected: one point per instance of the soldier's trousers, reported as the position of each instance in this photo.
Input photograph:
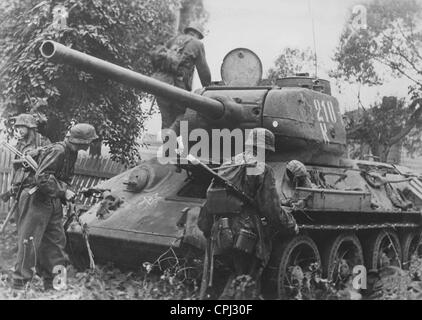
(171, 111)
(171, 114)
(242, 264)
(41, 237)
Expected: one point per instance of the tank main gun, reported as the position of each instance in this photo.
(208, 107)
(307, 122)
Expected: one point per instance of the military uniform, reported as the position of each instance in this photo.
(41, 238)
(298, 175)
(174, 64)
(27, 145)
(260, 223)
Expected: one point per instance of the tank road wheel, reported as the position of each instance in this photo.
(340, 256)
(290, 261)
(411, 245)
(383, 249)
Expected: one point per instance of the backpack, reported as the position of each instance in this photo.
(168, 58)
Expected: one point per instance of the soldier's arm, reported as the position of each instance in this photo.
(270, 204)
(267, 197)
(202, 66)
(45, 178)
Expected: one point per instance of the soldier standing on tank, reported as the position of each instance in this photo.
(41, 238)
(240, 235)
(174, 63)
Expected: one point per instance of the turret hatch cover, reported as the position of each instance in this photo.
(241, 67)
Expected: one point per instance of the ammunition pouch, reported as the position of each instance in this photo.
(225, 237)
(221, 203)
(222, 234)
(246, 241)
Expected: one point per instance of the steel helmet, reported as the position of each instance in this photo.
(261, 137)
(82, 133)
(297, 168)
(26, 120)
(195, 27)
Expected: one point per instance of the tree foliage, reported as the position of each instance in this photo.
(192, 11)
(384, 125)
(290, 62)
(388, 43)
(122, 32)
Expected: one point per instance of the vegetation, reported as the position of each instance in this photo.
(385, 124)
(122, 32)
(290, 62)
(386, 42)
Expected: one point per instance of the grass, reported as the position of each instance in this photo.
(180, 281)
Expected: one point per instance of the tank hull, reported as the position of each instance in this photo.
(165, 215)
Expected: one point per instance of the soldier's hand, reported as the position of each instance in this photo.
(5, 196)
(69, 195)
(296, 231)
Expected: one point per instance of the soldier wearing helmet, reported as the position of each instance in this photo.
(298, 175)
(174, 63)
(25, 132)
(40, 224)
(236, 229)
(28, 142)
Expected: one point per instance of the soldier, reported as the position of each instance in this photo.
(298, 175)
(239, 234)
(25, 131)
(174, 64)
(41, 238)
(28, 141)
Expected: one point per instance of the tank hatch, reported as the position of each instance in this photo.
(241, 67)
(302, 80)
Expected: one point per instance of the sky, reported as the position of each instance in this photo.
(268, 26)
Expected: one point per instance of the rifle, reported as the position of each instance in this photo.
(208, 263)
(93, 192)
(245, 197)
(73, 215)
(25, 159)
(71, 212)
(9, 216)
(205, 282)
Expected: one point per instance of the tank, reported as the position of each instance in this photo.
(356, 213)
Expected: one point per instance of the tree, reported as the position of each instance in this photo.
(290, 62)
(192, 11)
(387, 41)
(122, 32)
(383, 126)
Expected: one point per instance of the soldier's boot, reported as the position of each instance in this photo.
(48, 284)
(228, 292)
(19, 284)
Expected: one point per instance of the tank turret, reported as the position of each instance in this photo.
(350, 213)
(305, 119)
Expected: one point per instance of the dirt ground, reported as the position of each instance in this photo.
(149, 282)
(106, 282)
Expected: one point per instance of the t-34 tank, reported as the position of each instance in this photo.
(355, 213)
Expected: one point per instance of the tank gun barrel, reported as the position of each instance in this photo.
(60, 53)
